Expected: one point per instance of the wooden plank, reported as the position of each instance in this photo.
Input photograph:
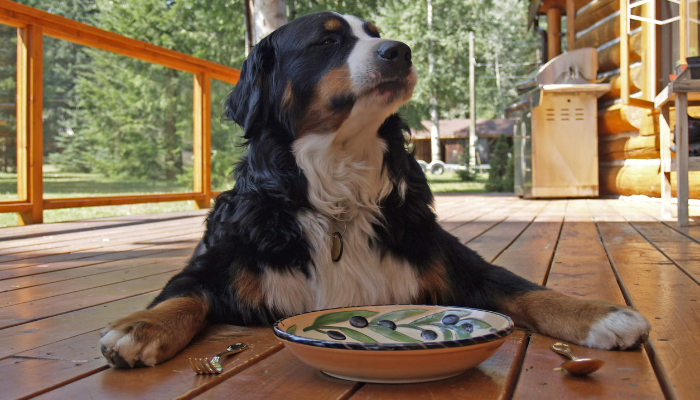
(682, 251)
(98, 242)
(174, 378)
(30, 123)
(62, 228)
(668, 297)
(478, 211)
(49, 291)
(41, 309)
(581, 269)
(486, 221)
(76, 32)
(279, 376)
(184, 234)
(202, 138)
(24, 282)
(491, 243)
(51, 366)
(553, 32)
(52, 204)
(143, 253)
(102, 236)
(25, 337)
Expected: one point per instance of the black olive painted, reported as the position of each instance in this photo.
(450, 319)
(428, 335)
(387, 324)
(335, 335)
(358, 321)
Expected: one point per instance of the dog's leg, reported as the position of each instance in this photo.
(473, 282)
(151, 336)
(592, 323)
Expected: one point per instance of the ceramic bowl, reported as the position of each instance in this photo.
(395, 343)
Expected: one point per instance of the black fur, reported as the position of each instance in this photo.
(254, 226)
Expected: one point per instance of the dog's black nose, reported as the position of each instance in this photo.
(395, 52)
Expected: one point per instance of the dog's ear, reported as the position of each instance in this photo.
(246, 105)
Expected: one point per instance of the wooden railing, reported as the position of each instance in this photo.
(32, 26)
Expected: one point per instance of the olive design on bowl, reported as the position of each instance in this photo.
(358, 321)
(427, 334)
(387, 324)
(450, 319)
(335, 335)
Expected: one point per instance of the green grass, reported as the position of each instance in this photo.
(62, 184)
(450, 182)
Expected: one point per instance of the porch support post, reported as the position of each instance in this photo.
(29, 123)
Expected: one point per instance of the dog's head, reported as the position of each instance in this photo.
(312, 74)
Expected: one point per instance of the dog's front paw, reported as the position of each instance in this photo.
(149, 337)
(131, 344)
(621, 329)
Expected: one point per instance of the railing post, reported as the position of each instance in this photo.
(202, 138)
(29, 123)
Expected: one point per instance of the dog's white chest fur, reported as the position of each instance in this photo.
(345, 187)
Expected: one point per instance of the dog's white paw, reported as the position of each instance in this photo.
(124, 348)
(621, 329)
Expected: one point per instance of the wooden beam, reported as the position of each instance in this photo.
(624, 52)
(570, 25)
(553, 32)
(609, 58)
(51, 204)
(76, 32)
(202, 138)
(683, 32)
(618, 119)
(597, 11)
(622, 148)
(14, 207)
(30, 123)
(615, 84)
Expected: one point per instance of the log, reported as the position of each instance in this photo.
(609, 58)
(603, 33)
(616, 84)
(636, 147)
(641, 179)
(595, 13)
(618, 118)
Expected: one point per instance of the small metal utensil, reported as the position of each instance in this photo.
(205, 366)
(577, 366)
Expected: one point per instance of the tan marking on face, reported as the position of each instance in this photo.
(320, 116)
(332, 24)
(247, 286)
(433, 286)
(288, 96)
(373, 29)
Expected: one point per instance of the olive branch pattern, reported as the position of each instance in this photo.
(453, 324)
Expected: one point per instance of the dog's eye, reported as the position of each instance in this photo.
(329, 41)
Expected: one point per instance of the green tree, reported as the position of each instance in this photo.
(500, 178)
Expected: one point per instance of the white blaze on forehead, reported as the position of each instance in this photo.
(361, 57)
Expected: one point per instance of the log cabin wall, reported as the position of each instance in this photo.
(628, 135)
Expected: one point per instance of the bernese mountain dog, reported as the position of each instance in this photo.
(329, 209)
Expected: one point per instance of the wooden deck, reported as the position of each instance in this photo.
(61, 283)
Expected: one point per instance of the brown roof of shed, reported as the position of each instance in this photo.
(459, 128)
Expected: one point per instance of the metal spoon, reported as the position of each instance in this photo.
(577, 366)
